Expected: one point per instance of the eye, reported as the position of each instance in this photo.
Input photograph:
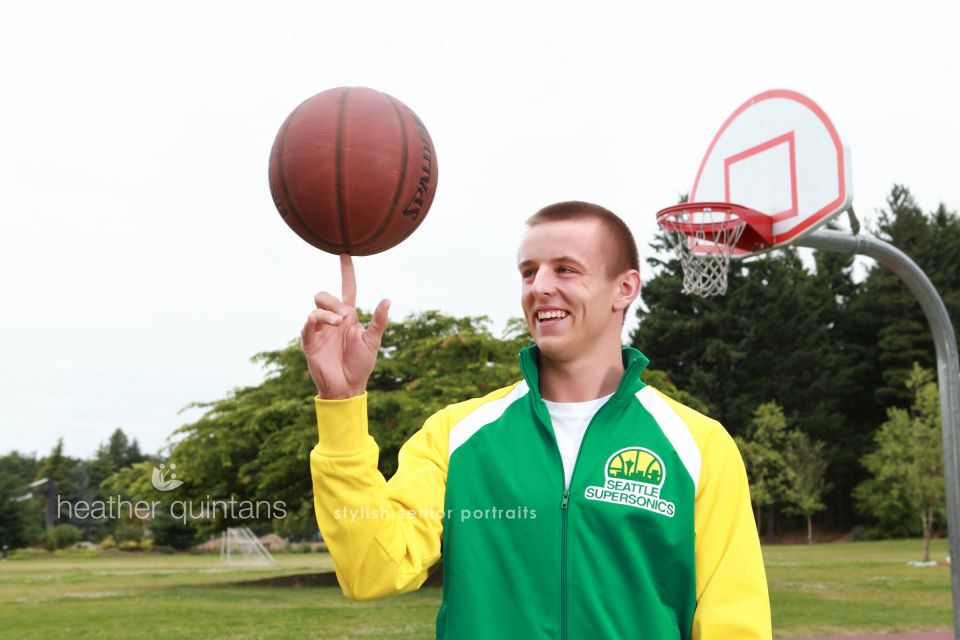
(566, 269)
(526, 273)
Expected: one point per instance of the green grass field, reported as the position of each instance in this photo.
(840, 589)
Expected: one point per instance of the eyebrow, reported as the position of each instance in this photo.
(524, 263)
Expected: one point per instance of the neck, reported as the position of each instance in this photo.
(588, 377)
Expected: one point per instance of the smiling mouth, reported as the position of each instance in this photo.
(551, 317)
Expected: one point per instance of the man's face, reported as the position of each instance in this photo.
(563, 266)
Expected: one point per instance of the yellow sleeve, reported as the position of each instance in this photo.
(732, 598)
(383, 536)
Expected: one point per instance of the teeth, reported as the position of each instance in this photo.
(544, 315)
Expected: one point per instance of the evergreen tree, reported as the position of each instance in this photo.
(57, 467)
(21, 522)
(13, 512)
(902, 333)
(850, 372)
(772, 336)
(118, 452)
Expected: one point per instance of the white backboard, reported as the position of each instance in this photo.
(780, 155)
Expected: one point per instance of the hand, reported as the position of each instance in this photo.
(340, 353)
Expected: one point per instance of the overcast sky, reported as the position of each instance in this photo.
(143, 261)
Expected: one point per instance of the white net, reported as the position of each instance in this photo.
(703, 240)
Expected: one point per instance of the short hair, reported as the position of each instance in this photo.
(624, 255)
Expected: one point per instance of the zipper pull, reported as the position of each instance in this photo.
(566, 499)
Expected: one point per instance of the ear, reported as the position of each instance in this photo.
(628, 288)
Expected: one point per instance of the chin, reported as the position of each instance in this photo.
(553, 347)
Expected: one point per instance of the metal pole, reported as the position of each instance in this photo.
(948, 368)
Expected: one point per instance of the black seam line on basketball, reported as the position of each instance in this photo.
(344, 236)
(283, 181)
(434, 174)
(391, 212)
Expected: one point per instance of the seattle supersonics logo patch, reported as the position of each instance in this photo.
(634, 477)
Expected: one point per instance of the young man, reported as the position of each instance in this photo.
(574, 503)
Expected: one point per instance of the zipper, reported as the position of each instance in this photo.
(564, 511)
(563, 562)
(528, 367)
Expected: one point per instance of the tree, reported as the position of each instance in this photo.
(170, 532)
(13, 513)
(774, 335)
(62, 536)
(764, 455)
(21, 522)
(66, 480)
(57, 467)
(132, 483)
(833, 351)
(255, 443)
(116, 453)
(901, 331)
(852, 374)
(907, 464)
(805, 495)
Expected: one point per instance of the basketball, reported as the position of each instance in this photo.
(353, 170)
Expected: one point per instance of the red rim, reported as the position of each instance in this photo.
(757, 234)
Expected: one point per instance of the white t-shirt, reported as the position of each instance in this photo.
(570, 420)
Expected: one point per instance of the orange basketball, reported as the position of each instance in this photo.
(353, 170)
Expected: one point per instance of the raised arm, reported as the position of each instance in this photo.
(383, 536)
(340, 353)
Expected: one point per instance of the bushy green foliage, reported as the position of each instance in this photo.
(906, 491)
(128, 533)
(171, 533)
(764, 454)
(805, 496)
(785, 468)
(62, 536)
(431, 360)
(255, 443)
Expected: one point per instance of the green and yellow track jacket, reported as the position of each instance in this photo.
(655, 537)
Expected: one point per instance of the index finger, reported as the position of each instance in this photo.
(348, 286)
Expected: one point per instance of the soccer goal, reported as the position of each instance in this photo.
(239, 546)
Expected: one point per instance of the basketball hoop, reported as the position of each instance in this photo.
(705, 235)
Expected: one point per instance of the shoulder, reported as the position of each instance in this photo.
(702, 441)
(701, 427)
(456, 423)
(495, 401)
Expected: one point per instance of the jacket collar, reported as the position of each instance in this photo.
(634, 362)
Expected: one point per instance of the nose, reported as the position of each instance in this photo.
(543, 283)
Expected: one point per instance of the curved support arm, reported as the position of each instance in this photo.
(948, 367)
